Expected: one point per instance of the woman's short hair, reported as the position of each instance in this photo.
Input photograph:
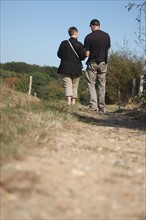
(72, 30)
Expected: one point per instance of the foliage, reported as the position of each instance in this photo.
(47, 84)
(4, 73)
(51, 91)
(83, 90)
(39, 80)
(54, 90)
(123, 67)
(141, 40)
(141, 19)
(19, 67)
(23, 83)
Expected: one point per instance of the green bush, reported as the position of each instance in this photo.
(122, 68)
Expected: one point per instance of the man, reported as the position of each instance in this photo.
(97, 44)
(71, 52)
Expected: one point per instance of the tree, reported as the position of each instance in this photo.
(123, 67)
(141, 36)
(141, 19)
(22, 83)
(39, 79)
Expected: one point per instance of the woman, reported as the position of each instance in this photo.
(71, 52)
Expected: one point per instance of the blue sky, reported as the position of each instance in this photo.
(32, 30)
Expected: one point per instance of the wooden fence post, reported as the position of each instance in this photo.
(141, 85)
(133, 87)
(30, 85)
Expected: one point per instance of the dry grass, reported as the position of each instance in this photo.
(27, 122)
(11, 98)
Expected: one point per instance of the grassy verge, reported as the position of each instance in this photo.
(25, 125)
(137, 114)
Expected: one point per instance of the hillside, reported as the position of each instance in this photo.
(68, 163)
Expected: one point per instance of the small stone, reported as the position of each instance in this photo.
(77, 172)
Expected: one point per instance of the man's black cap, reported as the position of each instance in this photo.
(95, 22)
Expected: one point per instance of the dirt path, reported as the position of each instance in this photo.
(94, 170)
